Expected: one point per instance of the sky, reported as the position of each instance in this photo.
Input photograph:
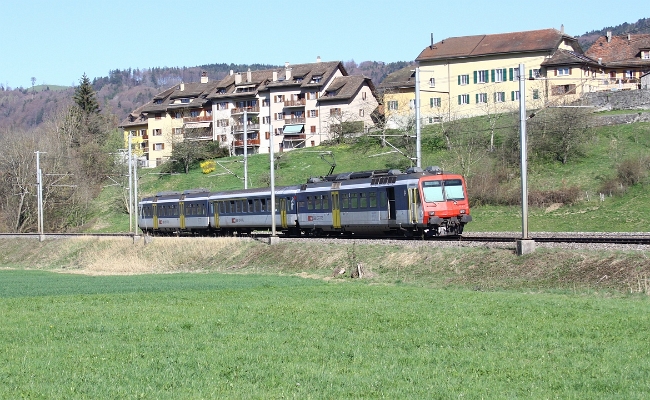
(56, 42)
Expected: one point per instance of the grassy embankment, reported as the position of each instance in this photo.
(609, 147)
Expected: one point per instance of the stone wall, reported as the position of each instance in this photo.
(601, 120)
(618, 100)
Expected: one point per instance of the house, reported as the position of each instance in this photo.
(645, 81)
(625, 58)
(478, 75)
(397, 94)
(179, 113)
(300, 105)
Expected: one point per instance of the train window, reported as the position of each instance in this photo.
(263, 204)
(454, 189)
(344, 201)
(372, 199)
(326, 202)
(310, 203)
(432, 191)
(189, 210)
(291, 203)
(257, 205)
(363, 200)
(318, 202)
(354, 200)
(250, 206)
(383, 200)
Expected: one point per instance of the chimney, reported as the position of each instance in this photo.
(562, 28)
(628, 37)
(318, 59)
(275, 76)
(204, 77)
(249, 77)
(181, 87)
(600, 60)
(238, 78)
(431, 40)
(231, 72)
(287, 71)
(609, 36)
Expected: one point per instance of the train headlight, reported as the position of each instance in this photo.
(432, 213)
(462, 211)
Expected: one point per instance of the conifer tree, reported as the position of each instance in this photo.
(84, 96)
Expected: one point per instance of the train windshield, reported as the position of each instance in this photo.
(437, 191)
(432, 191)
(454, 189)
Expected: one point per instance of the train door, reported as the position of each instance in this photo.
(390, 193)
(283, 211)
(215, 206)
(155, 216)
(336, 210)
(181, 214)
(414, 205)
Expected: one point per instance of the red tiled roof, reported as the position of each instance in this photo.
(619, 49)
(501, 43)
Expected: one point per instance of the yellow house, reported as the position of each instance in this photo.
(478, 75)
(397, 95)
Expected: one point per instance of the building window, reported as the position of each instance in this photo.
(363, 95)
(463, 99)
(629, 74)
(312, 129)
(157, 132)
(185, 101)
(194, 113)
(222, 106)
(279, 98)
(316, 79)
(435, 120)
(335, 112)
(178, 115)
(266, 120)
(481, 76)
(563, 89)
(178, 131)
(499, 75)
(312, 95)
(222, 123)
(159, 146)
(279, 116)
(313, 113)
(432, 82)
(499, 97)
(158, 116)
(535, 94)
(361, 112)
(435, 102)
(265, 102)
(534, 73)
(132, 133)
(313, 143)
(481, 98)
(563, 71)
(463, 79)
(267, 135)
(514, 95)
(392, 105)
(143, 132)
(645, 55)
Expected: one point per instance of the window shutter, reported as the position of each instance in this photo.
(459, 99)
(431, 102)
(512, 95)
(476, 98)
(492, 73)
(458, 79)
(570, 70)
(555, 72)
(511, 74)
(475, 73)
(317, 113)
(505, 74)
(530, 73)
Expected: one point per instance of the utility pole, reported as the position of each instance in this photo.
(135, 195)
(272, 164)
(39, 195)
(418, 139)
(524, 245)
(246, 148)
(130, 185)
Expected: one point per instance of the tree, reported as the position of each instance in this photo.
(85, 98)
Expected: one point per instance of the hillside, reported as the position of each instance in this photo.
(640, 26)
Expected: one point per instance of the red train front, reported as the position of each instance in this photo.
(444, 202)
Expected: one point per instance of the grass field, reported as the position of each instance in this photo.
(212, 335)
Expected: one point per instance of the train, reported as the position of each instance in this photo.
(416, 203)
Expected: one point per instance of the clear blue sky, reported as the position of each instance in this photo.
(57, 41)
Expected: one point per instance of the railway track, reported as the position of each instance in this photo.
(581, 238)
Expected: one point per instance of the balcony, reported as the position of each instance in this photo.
(240, 110)
(296, 137)
(205, 118)
(250, 142)
(295, 120)
(249, 127)
(295, 103)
